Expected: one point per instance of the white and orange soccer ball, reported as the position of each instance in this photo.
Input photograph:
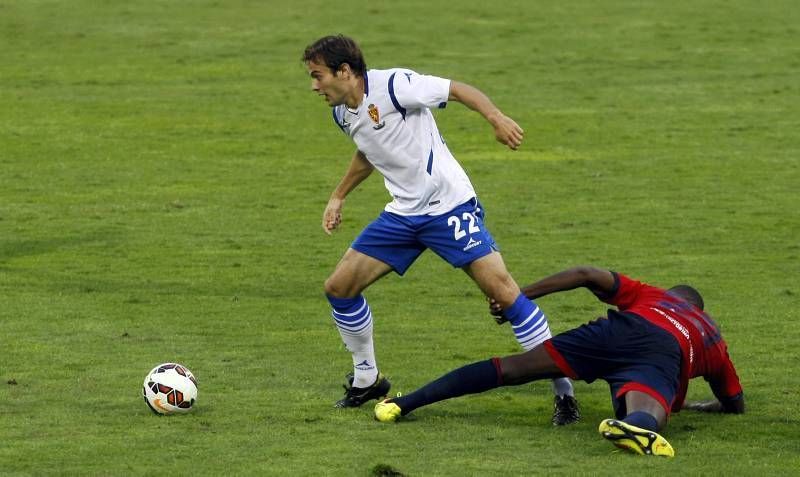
(170, 388)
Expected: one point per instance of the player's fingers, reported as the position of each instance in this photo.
(500, 319)
(511, 138)
(330, 222)
(506, 140)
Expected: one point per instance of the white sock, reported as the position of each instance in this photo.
(365, 369)
(353, 319)
(563, 387)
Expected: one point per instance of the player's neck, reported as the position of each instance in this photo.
(356, 96)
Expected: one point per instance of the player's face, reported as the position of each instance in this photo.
(332, 86)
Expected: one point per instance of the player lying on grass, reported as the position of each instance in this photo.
(387, 114)
(647, 351)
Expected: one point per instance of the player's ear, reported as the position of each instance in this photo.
(344, 71)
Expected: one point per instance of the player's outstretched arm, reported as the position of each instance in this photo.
(359, 170)
(723, 383)
(727, 389)
(597, 280)
(506, 131)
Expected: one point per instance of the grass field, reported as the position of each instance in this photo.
(163, 171)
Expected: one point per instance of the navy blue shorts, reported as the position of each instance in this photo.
(625, 350)
(460, 237)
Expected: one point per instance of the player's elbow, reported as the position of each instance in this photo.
(590, 277)
(584, 272)
(600, 281)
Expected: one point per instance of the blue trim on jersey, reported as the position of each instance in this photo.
(396, 103)
(336, 120)
(366, 84)
(430, 162)
(443, 105)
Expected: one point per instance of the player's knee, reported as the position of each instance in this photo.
(512, 370)
(529, 366)
(338, 289)
(332, 288)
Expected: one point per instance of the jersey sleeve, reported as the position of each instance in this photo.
(626, 292)
(723, 380)
(410, 90)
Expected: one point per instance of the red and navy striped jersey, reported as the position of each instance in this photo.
(704, 351)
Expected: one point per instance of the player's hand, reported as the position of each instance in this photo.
(332, 216)
(704, 406)
(506, 130)
(496, 311)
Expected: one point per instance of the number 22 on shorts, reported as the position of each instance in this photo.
(458, 232)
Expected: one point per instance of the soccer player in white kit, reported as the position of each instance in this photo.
(387, 114)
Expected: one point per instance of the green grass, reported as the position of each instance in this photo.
(163, 170)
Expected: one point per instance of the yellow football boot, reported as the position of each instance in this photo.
(635, 439)
(387, 411)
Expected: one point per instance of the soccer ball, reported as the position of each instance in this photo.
(170, 388)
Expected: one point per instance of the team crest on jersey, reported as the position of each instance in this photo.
(375, 117)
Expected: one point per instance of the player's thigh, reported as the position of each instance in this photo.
(461, 238)
(391, 239)
(354, 272)
(588, 352)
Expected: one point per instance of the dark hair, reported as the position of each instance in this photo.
(334, 51)
(689, 294)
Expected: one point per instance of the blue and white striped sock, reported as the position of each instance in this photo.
(528, 322)
(353, 319)
(531, 329)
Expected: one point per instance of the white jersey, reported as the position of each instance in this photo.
(394, 128)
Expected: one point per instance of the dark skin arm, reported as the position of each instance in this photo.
(597, 280)
(728, 406)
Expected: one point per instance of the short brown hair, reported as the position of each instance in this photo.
(334, 51)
